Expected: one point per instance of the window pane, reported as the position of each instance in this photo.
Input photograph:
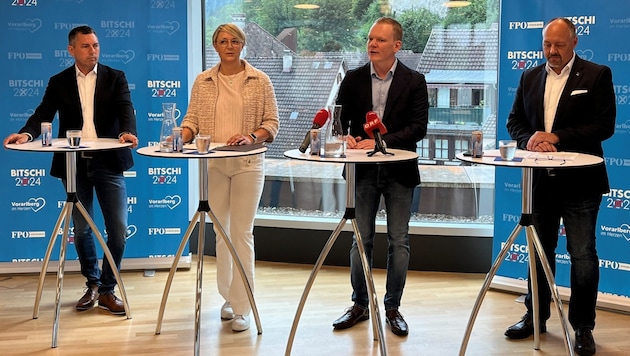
(306, 53)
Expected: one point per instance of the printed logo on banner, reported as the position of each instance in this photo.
(517, 253)
(122, 56)
(619, 232)
(618, 199)
(164, 175)
(30, 25)
(28, 234)
(512, 187)
(587, 54)
(131, 231)
(162, 57)
(33, 204)
(29, 177)
(131, 203)
(162, 231)
(618, 57)
(20, 116)
(26, 88)
(168, 27)
(617, 162)
(26, 3)
(117, 29)
(622, 23)
(163, 4)
(624, 127)
(526, 25)
(622, 91)
(614, 265)
(582, 24)
(64, 58)
(521, 60)
(67, 26)
(164, 88)
(159, 116)
(22, 56)
(169, 201)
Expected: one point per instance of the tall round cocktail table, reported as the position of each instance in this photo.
(200, 215)
(527, 161)
(65, 216)
(352, 158)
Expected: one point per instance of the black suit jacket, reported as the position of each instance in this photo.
(406, 113)
(113, 115)
(585, 117)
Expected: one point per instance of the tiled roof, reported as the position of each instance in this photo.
(460, 49)
(357, 59)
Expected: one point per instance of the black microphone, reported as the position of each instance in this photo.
(318, 122)
(375, 129)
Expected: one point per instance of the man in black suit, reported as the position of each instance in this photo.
(399, 96)
(566, 104)
(93, 98)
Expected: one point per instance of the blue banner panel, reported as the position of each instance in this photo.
(148, 41)
(520, 47)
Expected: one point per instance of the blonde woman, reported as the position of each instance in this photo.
(234, 103)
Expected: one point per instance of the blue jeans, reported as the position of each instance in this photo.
(374, 181)
(579, 215)
(111, 193)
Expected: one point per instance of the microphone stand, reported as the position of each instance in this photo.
(378, 146)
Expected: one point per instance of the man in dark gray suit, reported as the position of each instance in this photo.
(93, 98)
(566, 104)
(398, 95)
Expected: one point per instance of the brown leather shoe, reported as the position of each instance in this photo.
(352, 316)
(89, 298)
(112, 303)
(396, 322)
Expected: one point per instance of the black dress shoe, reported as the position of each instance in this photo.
(524, 328)
(584, 342)
(109, 301)
(89, 298)
(396, 322)
(352, 316)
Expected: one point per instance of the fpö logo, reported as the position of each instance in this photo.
(618, 232)
(168, 27)
(169, 201)
(521, 60)
(164, 175)
(23, 88)
(66, 26)
(24, 56)
(25, 234)
(622, 92)
(26, 3)
(32, 204)
(162, 57)
(164, 88)
(525, 25)
(122, 56)
(27, 25)
(159, 116)
(617, 162)
(27, 177)
(117, 29)
(162, 231)
(615, 265)
(617, 199)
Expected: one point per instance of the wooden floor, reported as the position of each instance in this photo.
(435, 305)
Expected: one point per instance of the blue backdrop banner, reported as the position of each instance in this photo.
(520, 46)
(148, 41)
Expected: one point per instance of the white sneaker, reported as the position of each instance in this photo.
(226, 311)
(240, 323)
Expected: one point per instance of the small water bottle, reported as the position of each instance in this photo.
(168, 123)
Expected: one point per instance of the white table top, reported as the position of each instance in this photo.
(61, 145)
(356, 156)
(530, 159)
(190, 151)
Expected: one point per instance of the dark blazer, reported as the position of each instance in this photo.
(585, 117)
(406, 113)
(113, 115)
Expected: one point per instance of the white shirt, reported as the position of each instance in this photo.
(87, 87)
(554, 85)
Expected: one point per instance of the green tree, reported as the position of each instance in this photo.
(476, 13)
(417, 26)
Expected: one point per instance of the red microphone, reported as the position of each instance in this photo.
(318, 122)
(375, 129)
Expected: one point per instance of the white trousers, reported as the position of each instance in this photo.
(236, 186)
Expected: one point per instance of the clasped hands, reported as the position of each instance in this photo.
(543, 142)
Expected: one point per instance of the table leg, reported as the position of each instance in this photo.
(60, 273)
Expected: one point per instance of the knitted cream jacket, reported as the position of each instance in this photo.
(259, 101)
